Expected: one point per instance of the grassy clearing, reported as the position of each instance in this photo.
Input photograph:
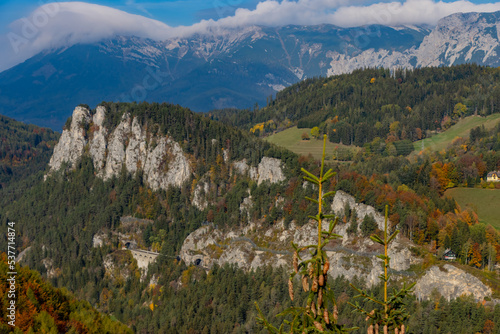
(461, 129)
(292, 139)
(483, 201)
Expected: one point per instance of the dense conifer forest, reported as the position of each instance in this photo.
(58, 217)
(368, 103)
(24, 149)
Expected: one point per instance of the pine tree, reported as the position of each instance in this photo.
(394, 313)
(320, 314)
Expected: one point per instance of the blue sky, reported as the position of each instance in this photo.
(172, 12)
(62, 24)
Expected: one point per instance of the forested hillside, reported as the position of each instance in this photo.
(395, 105)
(44, 309)
(24, 149)
(60, 217)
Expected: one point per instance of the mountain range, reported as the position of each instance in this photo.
(231, 68)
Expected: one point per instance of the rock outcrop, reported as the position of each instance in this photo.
(128, 146)
(199, 195)
(341, 199)
(450, 282)
(132, 147)
(269, 169)
(97, 148)
(209, 245)
(119, 265)
(72, 142)
(256, 245)
(241, 166)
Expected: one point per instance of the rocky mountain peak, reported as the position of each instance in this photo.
(128, 145)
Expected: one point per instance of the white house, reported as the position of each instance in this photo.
(493, 177)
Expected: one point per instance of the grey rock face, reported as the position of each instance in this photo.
(241, 166)
(269, 169)
(457, 39)
(97, 147)
(98, 240)
(451, 283)
(341, 199)
(116, 149)
(355, 256)
(199, 195)
(136, 149)
(256, 245)
(128, 146)
(461, 38)
(72, 142)
(49, 266)
(344, 63)
(192, 249)
(208, 246)
(166, 165)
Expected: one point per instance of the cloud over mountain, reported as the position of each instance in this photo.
(63, 24)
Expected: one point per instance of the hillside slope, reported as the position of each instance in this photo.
(396, 105)
(483, 201)
(461, 129)
(24, 149)
(178, 174)
(40, 308)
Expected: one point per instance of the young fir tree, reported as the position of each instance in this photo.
(320, 313)
(393, 314)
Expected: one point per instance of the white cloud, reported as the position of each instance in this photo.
(66, 23)
(62, 24)
(345, 13)
(407, 13)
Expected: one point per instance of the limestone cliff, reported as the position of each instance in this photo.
(133, 146)
(269, 169)
(129, 145)
(72, 142)
(256, 245)
(341, 199)
(351, 256)
(450, 282)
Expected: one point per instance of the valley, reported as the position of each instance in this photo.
(244, 177)
(232, 68)
(202, 203)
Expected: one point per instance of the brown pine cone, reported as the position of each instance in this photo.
(326, 267)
